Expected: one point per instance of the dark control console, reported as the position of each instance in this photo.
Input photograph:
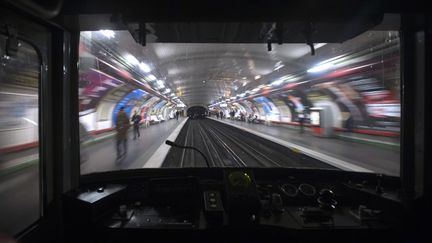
(213, 208)
(245, 203)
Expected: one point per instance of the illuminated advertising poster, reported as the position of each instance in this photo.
(297, 103)
(264, 102)
(271, 112)
(377, 101)
(94, 85)
(129, 101)
(382, 104)
(285, 112)
(315, 118)
(145, 109)
(248, 106)
(159, 105)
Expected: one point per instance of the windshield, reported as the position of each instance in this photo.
(239, 104)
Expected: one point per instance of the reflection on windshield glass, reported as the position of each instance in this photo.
(19, 137)
(239, 104)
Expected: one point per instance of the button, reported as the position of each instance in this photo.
(211, 194)
(147, 220)
(213, 205)
(212, 200)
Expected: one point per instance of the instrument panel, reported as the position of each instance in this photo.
(239, 198)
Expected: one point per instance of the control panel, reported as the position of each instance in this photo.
(237, 198)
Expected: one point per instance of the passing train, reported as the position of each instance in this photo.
(64, 78)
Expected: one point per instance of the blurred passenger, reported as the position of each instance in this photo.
(177, 115)
(136, 119)
(349, 123)
(217, 115)
(221, 114)
(253, 119)
(122, 127)
(301, 121)
(84, 137)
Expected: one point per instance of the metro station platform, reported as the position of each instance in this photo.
(345, 154)
(101, 155)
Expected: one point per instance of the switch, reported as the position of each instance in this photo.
(213, 209)
(276, 203)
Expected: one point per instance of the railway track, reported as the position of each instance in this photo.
(227, 146)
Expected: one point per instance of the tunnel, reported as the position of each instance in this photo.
(197, 112)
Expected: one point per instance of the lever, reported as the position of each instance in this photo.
(173, 144)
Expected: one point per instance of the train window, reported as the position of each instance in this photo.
(19, 137)
(326, 111)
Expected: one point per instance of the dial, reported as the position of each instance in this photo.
(307, 189)
(239, 179)
(289, 190)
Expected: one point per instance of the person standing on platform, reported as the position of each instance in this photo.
(136, 119)
(122, 126)
(177, 115)
(221, 114)
(301, 121)
(349, 124)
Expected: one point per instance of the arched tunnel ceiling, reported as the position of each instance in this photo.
(204, 72)
(200, 73)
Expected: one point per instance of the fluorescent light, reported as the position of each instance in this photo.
(320, 68)
(151, 77)
(278, 67)
(255, 90)
(172, 94)
(144, 67)
(277, 82)
(244, 84)
(242, 94)
(167, 91)
(107, 33)
(258, 76)
(131, 59)
(160, 82)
